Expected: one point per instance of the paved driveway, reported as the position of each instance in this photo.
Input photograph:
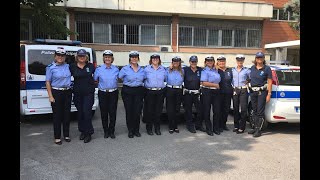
(275, 155)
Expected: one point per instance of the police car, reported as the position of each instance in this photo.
(284, 105)
(34, 58)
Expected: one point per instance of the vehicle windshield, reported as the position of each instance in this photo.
(38, 60)
(288, 77)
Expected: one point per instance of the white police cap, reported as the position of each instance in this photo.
(221, 57)
(60, 50)
(133, 53)
(240, 56)
(108, 52)
(209, 57)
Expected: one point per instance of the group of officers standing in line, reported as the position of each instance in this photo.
(211, 86)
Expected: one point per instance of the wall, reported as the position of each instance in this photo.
(225, 9)
(122, 58)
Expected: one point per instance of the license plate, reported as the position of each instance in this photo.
(297, 109)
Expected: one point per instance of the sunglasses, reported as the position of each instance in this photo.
(61, 54)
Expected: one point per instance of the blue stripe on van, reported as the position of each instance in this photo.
(35, 85)
(285, 94)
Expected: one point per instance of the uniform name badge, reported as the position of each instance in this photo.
(87, 69)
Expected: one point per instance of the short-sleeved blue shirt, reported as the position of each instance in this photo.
(107, 76)
(130, 77)
(58, 75)
(210, 75)
(175, 78)
(155, 78)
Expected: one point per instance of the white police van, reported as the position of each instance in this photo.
(284, 105)
(34, 59)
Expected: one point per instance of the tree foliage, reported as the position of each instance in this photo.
(47, 18)
(293, 6)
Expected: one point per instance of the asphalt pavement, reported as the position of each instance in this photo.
(274, 155)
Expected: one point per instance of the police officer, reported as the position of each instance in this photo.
(107, 77)
(174, 92)
(155, 75)
(58, 84)
(83, 90)
(132, 93)
(226, 91)
(260, 88)
(210, 79)
(241, 77)
(192, 95)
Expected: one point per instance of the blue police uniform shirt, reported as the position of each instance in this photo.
(107, 76)
(259, 76)
(130, 77)
(58, 75)
(174, 78)
(240, 78)
(226, 81)
(155, 78)
(210, 75)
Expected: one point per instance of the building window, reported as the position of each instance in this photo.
(254, 38)
(117, 33)
(148, 34)
(163, 34)
(132, 33)
(101, 33)
(226, 38)
(25, 26)
(213, 37)
(185, 36)
(279, 14)
(84, 30)
(200, 37)
(240, 38)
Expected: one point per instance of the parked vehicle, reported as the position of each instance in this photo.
(284, 105)
(34, 58)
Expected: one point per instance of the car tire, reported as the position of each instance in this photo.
(265, 125)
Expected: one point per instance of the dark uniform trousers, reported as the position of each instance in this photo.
(225, 105)
(84, 105)
(211, 97)
(189, 100)
(133, 100)
(240, 99)
(173, 103)
(61, 112)
(153, 108)
(108, 103)
(258, 101)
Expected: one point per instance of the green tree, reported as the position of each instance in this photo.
(47, 18)
(293, 6)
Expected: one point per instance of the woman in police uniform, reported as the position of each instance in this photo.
(107, 77)
(260, 88)
(191, 93)
(58, 84)
(83, 91)
(132, 93)
(174, 92)
(210, 79)
(155, 75)
(241, 77)
(226, 91)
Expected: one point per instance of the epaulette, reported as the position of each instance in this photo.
(49, 65)
(98, 66)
